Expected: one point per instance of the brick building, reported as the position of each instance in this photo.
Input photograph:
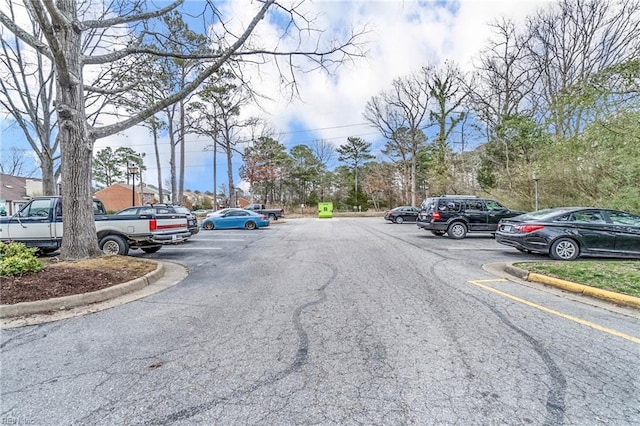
(119, 196)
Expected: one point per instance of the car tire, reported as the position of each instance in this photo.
(399, 220)
(209, 226)
(272, 216)
(250, 225)
(47, 250)
(564, 249)
(438, 233)
(457, 230)
(150, 249)
(112, 245)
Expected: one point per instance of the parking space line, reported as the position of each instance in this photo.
(480, 284)
(192, 248)
(218, 239)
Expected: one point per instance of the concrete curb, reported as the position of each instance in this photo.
(609, 296)
(76, 300)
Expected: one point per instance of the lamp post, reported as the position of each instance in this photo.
(133, 171)
(535, 188)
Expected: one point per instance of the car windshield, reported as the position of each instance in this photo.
(127, 211)
(181, 209)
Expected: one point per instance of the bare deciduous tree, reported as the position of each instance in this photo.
(503, 80)
(14, 163)
(400, 116)
(67, 45)
(325, 152)
(448, 90)
(569, 42)
(26, 94)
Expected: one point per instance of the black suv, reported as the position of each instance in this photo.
(164, 209)
(456, 215)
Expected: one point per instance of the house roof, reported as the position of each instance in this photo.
(12, 187)
(145, 188)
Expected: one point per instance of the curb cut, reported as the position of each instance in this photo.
(609, 296)
(76, 300)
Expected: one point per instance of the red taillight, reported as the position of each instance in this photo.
(153, 225)
(528, 228)
(435, 215)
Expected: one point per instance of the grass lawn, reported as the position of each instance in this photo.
(620, 276)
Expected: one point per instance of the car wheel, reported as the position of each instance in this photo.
(457, 230)
(114, 244)
(272, 216)
(209, 226)
(150, 249)
(438, 233)
(399, 219)
(564, 249)
(250, 225)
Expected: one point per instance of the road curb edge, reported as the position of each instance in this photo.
(76, 300)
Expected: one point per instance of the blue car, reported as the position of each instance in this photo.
(235, 218)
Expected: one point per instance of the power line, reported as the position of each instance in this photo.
(305, 142)
(324, 128)
(292, 132)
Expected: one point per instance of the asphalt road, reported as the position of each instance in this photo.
(334, 321)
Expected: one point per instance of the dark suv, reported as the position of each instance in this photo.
(164, 209)
(457, 215)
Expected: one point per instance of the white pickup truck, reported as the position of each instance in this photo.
(39, 224)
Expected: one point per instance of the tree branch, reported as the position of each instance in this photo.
(141, 116)
(41, 47)
(106, 23)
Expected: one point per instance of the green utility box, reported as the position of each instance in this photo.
(325, 210)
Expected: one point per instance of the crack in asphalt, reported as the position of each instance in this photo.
(300, 359)
(557, 389)
(555, 405)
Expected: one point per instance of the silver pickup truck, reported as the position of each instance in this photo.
(39, 224)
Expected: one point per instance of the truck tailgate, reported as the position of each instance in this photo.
(171, 228)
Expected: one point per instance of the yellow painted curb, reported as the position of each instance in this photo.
(610, 296)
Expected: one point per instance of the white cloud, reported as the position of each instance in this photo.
(405, 35)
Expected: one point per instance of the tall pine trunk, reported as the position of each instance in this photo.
(155, 131)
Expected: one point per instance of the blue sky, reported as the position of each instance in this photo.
(404, 35)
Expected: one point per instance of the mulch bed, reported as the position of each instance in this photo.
(58, 281)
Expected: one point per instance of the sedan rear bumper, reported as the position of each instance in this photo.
(522, 242)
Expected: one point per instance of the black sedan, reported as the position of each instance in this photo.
(402, 214)
(568, 232)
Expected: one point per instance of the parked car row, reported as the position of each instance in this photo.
(39, 224)
(227, 218)
(562, 233)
